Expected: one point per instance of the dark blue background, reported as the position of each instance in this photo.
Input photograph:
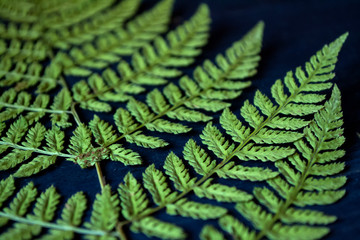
(294, 31)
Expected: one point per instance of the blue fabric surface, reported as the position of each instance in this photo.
(294, 31)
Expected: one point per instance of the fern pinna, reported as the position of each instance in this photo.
(296, 133)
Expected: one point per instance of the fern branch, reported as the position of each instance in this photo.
(70, 14)
(97, 25)
(246, 51)
(57, 226)
(326, 120)
(20, 50)
(108, 48)
(28, 32)
(332, 50)
(27, 75)
(153, 67)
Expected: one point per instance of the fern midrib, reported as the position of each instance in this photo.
(229, 157)
(57, 226)
(149, 66)
(294, 193)
(37, 150)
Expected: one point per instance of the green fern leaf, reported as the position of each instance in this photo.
(133, 198)
(230, 170)
(22, 31)
(208, 232)
(102, 131)
(99, 24)
(155, 182)
(307, 216)
(236, 228)
(198, 158)
(162, 125)
(178, 173)
(298, 188)
(7, 188)
(36, 109)
(46, 205)
(124, 121)
(62, 101)
(126, 41)
(153, 227)
(71, 215)
(221, 193)
(126, 156)
(105, 212)
(20, 204)
(24, 50)
(195, 210)
(44, 211)
(73, 13)
(28, 75)
(54, 140)
(34, 166)
(81, 141)
(146, 141)
(215, 141)
(298, 232)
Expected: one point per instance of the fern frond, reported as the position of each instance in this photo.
(195, 210)
(19, 11)
(225, 149)
(235, 228)
(129, 122)
(25, 75)
(210, 233)
(153, 64)
(153, 227)
(71, 215)
(296, 186)
(105, 212)
(133, 199)
(7, 188)
(37, 108)
(44, 211)
(221, 193)
(23, 151)
(109, 47)
(24, 51)
(24, 31)
(70, 14)
(97, 25)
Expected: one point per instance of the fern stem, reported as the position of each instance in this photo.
(74, 113)
(58, 226)
(37, 150)
(31, 109)
(100, 175)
